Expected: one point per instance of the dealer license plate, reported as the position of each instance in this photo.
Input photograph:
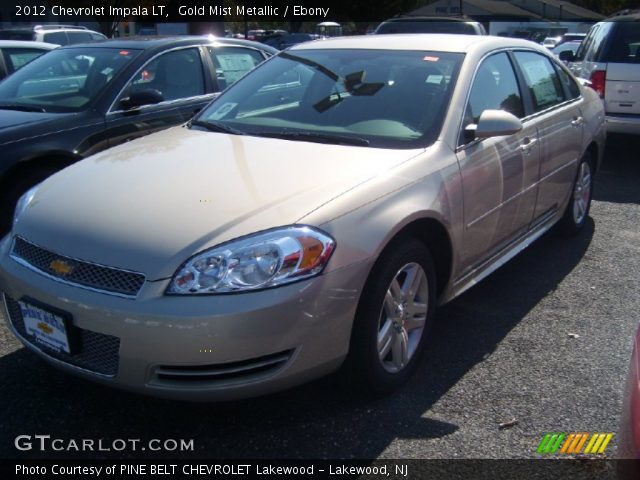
(46, 328)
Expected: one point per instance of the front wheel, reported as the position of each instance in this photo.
(577, 212)
(393, 319)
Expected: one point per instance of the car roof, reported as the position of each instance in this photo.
(27, 44)
(145, 42)
(440, 42)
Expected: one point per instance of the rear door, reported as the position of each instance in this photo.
(555, 103)
(622, 87)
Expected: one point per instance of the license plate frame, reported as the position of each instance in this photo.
(48, 327)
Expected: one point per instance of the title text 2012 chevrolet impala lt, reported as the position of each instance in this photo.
(311, 217)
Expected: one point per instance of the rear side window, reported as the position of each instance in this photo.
(231, 63)
(59, 38)
(570, 84)
(624, 48)
(541, 78)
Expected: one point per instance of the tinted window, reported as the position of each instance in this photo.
(18, 57)
(594, 43)
(78, 37)
(541, 78)
(16, 35)
(426, 27)
(59, 38)
(231, 63)
(569, 83)
(175, 75)
(64, 80)
(388, 98)
(626, 42)
(494, 88)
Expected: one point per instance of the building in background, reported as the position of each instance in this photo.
(533, 19)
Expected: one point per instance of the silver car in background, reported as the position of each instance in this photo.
(609, 58)
(311, 217)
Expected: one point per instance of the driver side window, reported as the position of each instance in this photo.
(175, 75)
(495, 87)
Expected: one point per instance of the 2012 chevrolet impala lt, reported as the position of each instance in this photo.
(309, 218)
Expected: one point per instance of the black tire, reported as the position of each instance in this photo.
(575, 217)
(364, 366)
(9, 198)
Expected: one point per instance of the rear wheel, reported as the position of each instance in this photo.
(577, 212)
(394, 317)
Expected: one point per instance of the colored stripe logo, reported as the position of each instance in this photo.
(574, 443)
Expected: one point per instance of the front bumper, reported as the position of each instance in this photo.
(216, 347)
(625, 124)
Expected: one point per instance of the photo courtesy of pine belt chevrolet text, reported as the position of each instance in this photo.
(309, 219)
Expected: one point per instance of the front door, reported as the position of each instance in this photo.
(499, 174)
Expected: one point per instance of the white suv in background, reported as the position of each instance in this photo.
(56, 34)
(609, 58)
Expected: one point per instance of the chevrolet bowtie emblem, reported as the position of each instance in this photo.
(61, 267)
(44, 328)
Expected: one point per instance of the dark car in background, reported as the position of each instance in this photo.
(416, 24)
(284, 41)
(15, 54)
(57, 34)
(80, 99)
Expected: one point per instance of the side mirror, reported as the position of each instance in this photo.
(567, 56)
(137, 99)
(494, 123)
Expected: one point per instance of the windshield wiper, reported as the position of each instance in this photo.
(215, 127)
(317, 137)
(22, 108)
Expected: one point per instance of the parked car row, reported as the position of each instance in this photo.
(56, 34)
(81, 99)
(309, 218)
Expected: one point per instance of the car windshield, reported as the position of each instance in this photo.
(379, 98)
(63, 80)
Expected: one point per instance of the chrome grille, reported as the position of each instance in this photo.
(97, 352)
(98, 277)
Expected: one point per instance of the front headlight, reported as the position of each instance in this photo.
(23, 203)
(263, 260)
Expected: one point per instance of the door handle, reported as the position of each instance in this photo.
(526, 146)
(577, 121)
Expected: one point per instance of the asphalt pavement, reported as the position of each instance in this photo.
(543, 345)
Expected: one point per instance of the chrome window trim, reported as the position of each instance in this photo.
(525, 119)
(183, 47)
(35, 269)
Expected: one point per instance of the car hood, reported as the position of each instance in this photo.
(11, 119)
(150, 204)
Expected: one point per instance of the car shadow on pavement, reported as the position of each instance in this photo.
(322, 419)
(618, 180)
